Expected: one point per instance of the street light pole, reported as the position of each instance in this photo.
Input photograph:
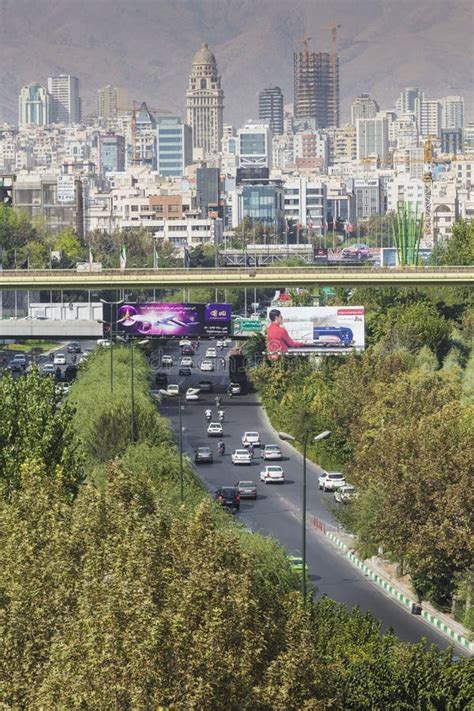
(181, 483)
(303, 541)
(304, 442)
(111, 324)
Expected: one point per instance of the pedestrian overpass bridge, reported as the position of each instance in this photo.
(68, 279)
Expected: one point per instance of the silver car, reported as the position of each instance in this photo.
(271, 451)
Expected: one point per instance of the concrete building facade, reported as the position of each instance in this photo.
(66, 107)
(205, 104)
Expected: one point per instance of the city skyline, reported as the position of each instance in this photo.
(229, 40)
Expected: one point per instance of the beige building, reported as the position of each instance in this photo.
(205, 104)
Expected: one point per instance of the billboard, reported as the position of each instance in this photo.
(161, 319)
(66, 189)
(324, 329)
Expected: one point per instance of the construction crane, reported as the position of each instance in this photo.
(136, 107)
(428, 191)
(335, 78)
(304, 41)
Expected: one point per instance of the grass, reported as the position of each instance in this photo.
(29, 345)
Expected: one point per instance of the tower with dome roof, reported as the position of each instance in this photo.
(205, 104)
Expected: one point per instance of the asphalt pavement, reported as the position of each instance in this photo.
(277, 510)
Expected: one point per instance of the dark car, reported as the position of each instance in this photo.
(70, 373)
(187, 351)
(247, 489)
(74, 348)
(203, 454)
(229, 497)
(205, 386)
(184, 371)
(161, 379)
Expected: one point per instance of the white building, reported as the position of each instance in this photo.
(363, 107)
(452, 112)
(405, 130)
(189, 232)
(403, 189)
(255, 146)
(372, 138)
(110, 101)
(66, 100)
(464, 171)
(406, 100)
(305, 203)
(428, 116)
(445, 208)
(34, 106)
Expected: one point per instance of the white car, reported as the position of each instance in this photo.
(271, 451)
(59, 359)
(185, 342)
(220, 344)
(344, 494)
(272, 474)
(329, 481)
(192, 394)
(172, 389)
(215, 429)
(186, 362)
(241, 456)
(251, 438)
(167, 360)
(211, 353)
(104, 342)
(235, 388)
(48, 369)
(206, 365)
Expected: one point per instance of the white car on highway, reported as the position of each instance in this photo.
(271, 451)
(272, 474)
(329, 481)
(186, 362)
(241, 456)
(172, 389)
(167, 360)
(211, 353)
(59, 359)
(192, 394)
(344, 494)
(251, 438)
(215, 429)
(207, 365)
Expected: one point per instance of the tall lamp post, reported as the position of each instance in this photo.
(131, 343)
(304, 442)
(181, 482)
(111, 324)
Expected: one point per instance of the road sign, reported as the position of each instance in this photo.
(248, 326)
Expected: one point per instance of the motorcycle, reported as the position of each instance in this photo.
(220, 415)
(221, 449)
(208, 415)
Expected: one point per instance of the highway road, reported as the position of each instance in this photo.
(277, 510)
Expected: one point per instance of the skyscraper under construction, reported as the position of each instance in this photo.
(317, 86)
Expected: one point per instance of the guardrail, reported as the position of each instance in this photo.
(221, 276)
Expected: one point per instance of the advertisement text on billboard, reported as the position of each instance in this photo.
(176, 319)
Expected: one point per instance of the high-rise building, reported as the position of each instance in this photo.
(270, 108)
(452, 112)
(66, 100)
(363, 107)
(372, 138)
(451, 140)
(207, 190)
(469, 137)
(406, 100)
(111, 153)
(173, 146)
(34, 106)
(316, 84)
(255, 146)
(111, 100)
(428, 116)
(205, 104)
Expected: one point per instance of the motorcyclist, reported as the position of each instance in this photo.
(250, 449)
(218, 401)
(221, 414)
(221, 447)
(208, 415)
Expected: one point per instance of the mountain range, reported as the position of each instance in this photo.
(147, 46)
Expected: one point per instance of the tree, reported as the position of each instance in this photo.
(34, 425)
(458, 250)
(68, 244)
(412, 326)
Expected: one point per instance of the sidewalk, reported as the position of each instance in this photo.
(379, 572)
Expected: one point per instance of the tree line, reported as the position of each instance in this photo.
(402, 421)
(114, 594)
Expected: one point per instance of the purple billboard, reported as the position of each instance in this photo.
(212, 320)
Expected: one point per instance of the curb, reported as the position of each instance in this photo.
(401, 597)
